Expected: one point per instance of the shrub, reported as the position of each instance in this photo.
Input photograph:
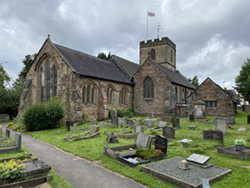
(128, 113)
(11, 169)
(45, 115)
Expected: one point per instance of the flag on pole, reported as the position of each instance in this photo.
(151, 14)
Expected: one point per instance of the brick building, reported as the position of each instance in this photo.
(92, 86)
(218, 101)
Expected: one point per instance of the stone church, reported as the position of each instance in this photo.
(92, 86)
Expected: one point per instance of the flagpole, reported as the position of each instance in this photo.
(147, 25)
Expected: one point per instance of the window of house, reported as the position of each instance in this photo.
(54, 81)
(88, 94)
(48, 79)
(42, 84)
(123, 96)
(152, 54)
(109, 95)
(148, 88)
(211, 104)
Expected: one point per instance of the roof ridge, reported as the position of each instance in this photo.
(125, 59)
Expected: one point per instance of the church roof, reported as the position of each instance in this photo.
(91, 66)
(177, 78)
(129, 67)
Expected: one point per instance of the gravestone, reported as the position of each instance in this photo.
(192, 127)
(143, 141)
(248, 119)
(191, 118)
(213, 135)
(166, 118)
(138, 129)
(221, 125)
(242, 129)
(199, 110)
(7, 133)
(101, 124)
(94, 121)
(136, 123)
(111, 138)
(130, 122)
(1, 130)
(205, 183)
(184, 165)
(149, 122)
(121, 121)
(75, 128)
(114, 120)
(168, 132)
(199, 159)
(230, 121)
(176, 122)
(161, 143)
(162, 124)
(93, 129)
(67, 125)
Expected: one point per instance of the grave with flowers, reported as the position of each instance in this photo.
(142, 156)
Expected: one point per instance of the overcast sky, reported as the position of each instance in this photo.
(212, 36)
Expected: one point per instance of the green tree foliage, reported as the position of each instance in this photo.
(242, 81)
(194, 81)
(104, 56)
(4, 82)
(40, 116)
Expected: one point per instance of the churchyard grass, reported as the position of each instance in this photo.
(92, 149)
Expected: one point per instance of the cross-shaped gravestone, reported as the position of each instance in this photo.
(161, 143)
(176, 122)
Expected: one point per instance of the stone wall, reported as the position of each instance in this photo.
(163, 50)
(70, 88)
(209, 91)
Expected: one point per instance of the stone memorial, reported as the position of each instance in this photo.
(75, 128)
(229, 121)
(111, 138)
(213, 135)
(149, 122)
(242, 129)
(161, 143)
(184, 165)
(191, 118)
(130, 122)
(176, 122)
(192, 127)
(248, 119)
(166, 119)
(121, 121)
(162, 124)
(67, 125)
(185, 141)
(168, 132)
(199, 110)
(221, 125)
(7, 133)
(136, 123)
(94, 121)
(138, 129)
(114, 120)
(101, 124)
(242, 152)
(199, 159)
(17, 144)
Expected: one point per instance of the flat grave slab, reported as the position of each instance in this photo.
(168, 170)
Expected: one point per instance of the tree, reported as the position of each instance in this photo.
(104, 56)
(4, 81)
(194, 81)
(242, 81)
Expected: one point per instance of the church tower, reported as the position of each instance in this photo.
(161, 51)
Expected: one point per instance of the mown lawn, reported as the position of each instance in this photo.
(92, 149)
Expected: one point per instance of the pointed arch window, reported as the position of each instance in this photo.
(54, 81)
(88, 94)
(148, 88)
(109, 93)
(152, 54)
(48, 79)
(123, 96)
(42, 84)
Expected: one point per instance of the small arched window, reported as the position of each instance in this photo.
(42, 84)
(88, 94)
(176, 94)
(48, 79)
(148, 88)
(54, 81)
(123, 96)
(109, 95)
(152, 54)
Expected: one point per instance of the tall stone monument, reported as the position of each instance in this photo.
(199, 110)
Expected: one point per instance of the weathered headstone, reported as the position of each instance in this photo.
(191, 118)
(230, 121)
(166, 118)
(75, 128)
(149, 122)
(121, 121)
(101, 124)
(199, 110)
(94, 121)
(114, 120)
(192, 127)
(112, 138)
(222, 126)
(130, 122)
(185, 141)
(7, 133)
(248, 119)
(162, 124)
(1, 130)
(67, 125)
(136, 123)
(176, 122)
(242, 129)
(143, 141)
(168, 132)
(213, 135)
(161, 143)
(138, 129)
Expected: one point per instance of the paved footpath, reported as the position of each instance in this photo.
(77, 171)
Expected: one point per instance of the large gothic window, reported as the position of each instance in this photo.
(48, 79)
(123, 96)
(88, 94)
(148, 88)
(54, 81)
(110, 95)
(152, 54)
(42, 84)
